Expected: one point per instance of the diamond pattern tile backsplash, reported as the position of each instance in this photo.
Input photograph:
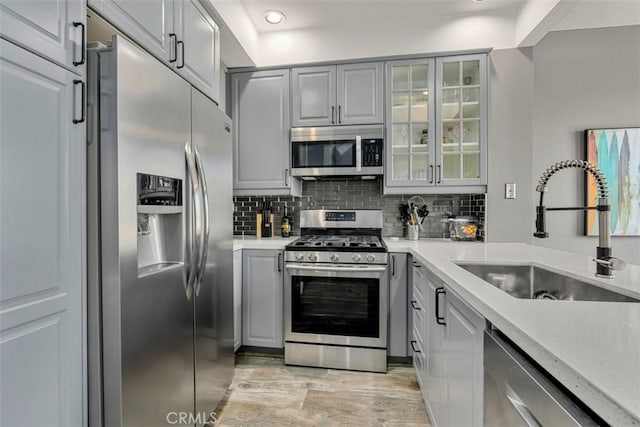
(358, 194)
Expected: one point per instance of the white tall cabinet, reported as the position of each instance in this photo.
(42, 217)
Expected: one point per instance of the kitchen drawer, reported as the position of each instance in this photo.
(418, 314)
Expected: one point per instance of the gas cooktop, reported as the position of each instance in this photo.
(338, 243)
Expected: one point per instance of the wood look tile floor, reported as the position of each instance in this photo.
(265, 392)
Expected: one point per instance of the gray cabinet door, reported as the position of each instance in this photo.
(53, 29)
(260, 109)
(464, 371)
(198, 55)
(262, 298)
(237, 299)
(314, 96)
(398, 305)
(147, 22)
(42, 249)
(436, 348)
(360, 93)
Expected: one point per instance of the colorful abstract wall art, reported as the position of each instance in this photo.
(616, 152)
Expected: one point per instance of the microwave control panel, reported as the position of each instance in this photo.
(372, 152)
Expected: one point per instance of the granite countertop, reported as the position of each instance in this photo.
(593, 348)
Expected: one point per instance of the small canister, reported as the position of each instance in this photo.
(413, 232)
(463, 227)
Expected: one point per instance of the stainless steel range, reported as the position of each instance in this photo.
(336, 292)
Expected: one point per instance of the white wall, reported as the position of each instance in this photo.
(510, 145)
(582, 79)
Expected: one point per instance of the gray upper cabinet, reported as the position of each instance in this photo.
(360, 93)
(198, 53)
(54, 29)
(180, 33)
(43, 246)
(260, 112)
(148, 22)
(314, 96)
(337, 95)
(436, 125)
(262, 298)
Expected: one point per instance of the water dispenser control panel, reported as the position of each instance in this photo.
(156, 190)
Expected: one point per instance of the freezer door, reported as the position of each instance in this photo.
(211, 133)
(147, 317)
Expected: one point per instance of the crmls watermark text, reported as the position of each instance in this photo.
(189, 418)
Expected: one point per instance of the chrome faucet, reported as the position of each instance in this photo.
(605, 263)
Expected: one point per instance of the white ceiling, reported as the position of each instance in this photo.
(333, 30)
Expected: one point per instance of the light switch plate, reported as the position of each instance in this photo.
(510, 190)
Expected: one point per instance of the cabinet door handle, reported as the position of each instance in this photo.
(279, 261)
(393, 265)
(439, 174)
(439, 319)
(175, 47)
(333, 115)
(413, 304)
(286, 177)
(181, 44)
(413, 347)
(82, 43)
(431, 174)
(339, 114)
(82, 102)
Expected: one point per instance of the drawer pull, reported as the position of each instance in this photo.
(413, 304)
(415, 350)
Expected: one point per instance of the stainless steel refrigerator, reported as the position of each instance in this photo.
(160, 321)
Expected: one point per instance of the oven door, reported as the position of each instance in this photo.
(336, 304)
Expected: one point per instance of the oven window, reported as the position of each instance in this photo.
(335, 306)
(324, 154)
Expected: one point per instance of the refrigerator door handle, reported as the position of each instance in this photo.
(204, 237)
(191, 231)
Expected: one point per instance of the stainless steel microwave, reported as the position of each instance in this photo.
(337, 150)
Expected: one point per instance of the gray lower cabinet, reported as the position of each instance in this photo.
(237, 299)
(344, 94)
(260, 112)
(42, 252)
(448, 342)
(397, 305)
(54, 29)
(262, 298)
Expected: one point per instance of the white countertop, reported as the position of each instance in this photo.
(251, 242)
(593, 348)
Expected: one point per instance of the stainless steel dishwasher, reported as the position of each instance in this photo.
(518, 393)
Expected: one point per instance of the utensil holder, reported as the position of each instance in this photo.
(413, 232)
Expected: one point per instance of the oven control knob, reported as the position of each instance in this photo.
(371, 257)
(334, 257)
(356, 257)
(299, 256)
(313, 257)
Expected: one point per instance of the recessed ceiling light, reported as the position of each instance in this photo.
(274, 16)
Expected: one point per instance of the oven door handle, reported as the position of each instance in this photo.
(337, 269)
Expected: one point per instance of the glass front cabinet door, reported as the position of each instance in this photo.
(436, 124)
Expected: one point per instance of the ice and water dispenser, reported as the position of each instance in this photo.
(160, 229)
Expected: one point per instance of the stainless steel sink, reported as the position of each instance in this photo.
(532, 282)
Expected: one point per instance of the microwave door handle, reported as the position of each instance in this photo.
(358, 153)
(204, 235)
(192, 222)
